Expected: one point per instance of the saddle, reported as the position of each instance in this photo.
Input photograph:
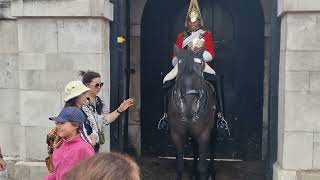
(173, 73)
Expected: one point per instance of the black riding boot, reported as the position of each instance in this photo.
(218, 89)
(216, 81)
(222, 124)
(213, 79)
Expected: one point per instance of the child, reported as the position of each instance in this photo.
(73, 149)
(75, 92)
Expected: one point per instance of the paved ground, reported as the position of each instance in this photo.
(164, 169)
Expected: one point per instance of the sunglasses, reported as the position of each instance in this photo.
(98, 85)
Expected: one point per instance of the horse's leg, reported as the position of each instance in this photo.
(203, 143)
(178, 140)
(180, 163)
(212, 155)
(195, 159)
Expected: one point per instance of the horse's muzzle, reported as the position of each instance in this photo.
(188, 112)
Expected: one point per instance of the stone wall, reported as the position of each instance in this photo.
(10, 130)
(51, 53)
(43, 45)
(299, 92)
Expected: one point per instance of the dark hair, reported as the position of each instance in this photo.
(87, 76)
(71, 102)
(106, 166)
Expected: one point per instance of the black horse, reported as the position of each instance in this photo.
(192, 112)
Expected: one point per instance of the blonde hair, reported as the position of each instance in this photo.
(79, 126)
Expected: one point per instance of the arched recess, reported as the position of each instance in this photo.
(238, 28)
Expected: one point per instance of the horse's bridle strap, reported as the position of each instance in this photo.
(192, 92)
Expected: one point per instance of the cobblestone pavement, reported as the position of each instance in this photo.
(164, 169)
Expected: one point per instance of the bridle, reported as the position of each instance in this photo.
(178, 95)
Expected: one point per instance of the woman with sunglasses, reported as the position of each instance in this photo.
(95, 108)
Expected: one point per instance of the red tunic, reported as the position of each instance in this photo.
(208, 45)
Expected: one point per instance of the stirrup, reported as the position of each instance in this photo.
(163, 123)
(222, 123)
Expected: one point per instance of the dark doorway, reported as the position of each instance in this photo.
(238, 29)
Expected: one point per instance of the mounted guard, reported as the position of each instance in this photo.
(194, 38)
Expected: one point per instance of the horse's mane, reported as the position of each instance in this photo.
(187, 58)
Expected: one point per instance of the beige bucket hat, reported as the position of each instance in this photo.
(74, 89)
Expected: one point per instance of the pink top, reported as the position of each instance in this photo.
(68, 155)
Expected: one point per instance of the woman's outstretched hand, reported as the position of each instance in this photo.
(115, 114)
(126, 104)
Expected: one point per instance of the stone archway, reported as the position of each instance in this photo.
(136, 13)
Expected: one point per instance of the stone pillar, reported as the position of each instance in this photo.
(45, 47)
(135, 60)
(299, 91)
(267, 6)
(10, 130)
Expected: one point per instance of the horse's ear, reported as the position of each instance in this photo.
(176, 50)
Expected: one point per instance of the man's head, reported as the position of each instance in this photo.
(193, 19)
(194, 26)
